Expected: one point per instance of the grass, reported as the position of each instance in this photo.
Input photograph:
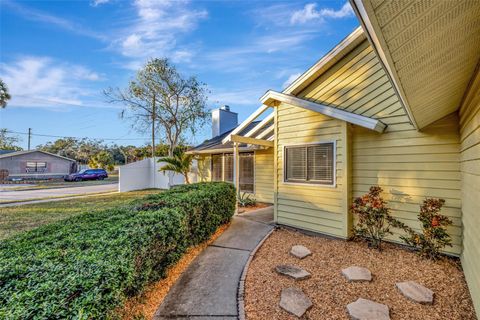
(17, 219)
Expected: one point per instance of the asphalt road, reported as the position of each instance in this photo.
(20, 195)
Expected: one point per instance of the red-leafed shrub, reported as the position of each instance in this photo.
(434, 236)
(373, 217)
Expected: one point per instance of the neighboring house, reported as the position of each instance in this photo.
(215, 161)
(36, 164)
(396, 105)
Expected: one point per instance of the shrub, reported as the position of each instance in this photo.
(373, 217)
(245, 200)
(84, 267)
(434, 236)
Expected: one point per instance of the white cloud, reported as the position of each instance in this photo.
(310, 13)
(96, 3)
(44, 17)
(291, 79)
(45, 82)
(155, 31)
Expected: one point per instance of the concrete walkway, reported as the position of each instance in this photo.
(208, 288)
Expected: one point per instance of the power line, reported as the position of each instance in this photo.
(54, 136)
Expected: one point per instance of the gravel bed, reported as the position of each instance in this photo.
(330, 292)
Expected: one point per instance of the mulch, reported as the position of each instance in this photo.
(330, 292)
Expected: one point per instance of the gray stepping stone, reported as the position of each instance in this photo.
(296, 302)
(293, 271)
(300, 251)
(364, 309)
(354, 273)
(415, 292)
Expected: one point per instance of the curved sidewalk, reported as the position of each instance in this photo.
(208, 288)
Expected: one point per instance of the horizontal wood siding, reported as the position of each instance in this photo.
(311, 207)
(358, 84)
(264, 175)
(470, 167)
(410, 166)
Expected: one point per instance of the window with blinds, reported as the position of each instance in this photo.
(247, 172)
(222, 169)
(228, 167)
(217, 167)
(310, 164)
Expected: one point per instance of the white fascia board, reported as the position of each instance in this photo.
(260, 125)
(331, 57)
(367, 18)
(271, 96)
(245, 123)
(266, 132)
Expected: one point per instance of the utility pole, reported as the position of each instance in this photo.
(29, 137)
(153, 138)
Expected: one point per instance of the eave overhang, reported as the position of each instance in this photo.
(272, 98)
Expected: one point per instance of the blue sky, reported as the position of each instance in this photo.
(58, 56)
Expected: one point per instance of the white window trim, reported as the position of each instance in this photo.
(315, 185)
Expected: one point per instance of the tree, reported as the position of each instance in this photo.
(180, 163)
(102, 160)
(80, 150)
(160, 98)
(4, 95)
(8, 142)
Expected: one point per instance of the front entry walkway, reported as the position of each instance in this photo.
(208, 288)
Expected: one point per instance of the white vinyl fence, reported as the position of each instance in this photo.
(144, 175)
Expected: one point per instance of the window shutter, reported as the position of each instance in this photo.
(320, 163)
(228, 167)
(217, 167)
(247, 172)
(296, 163)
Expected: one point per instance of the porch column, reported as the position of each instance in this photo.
(236, 168)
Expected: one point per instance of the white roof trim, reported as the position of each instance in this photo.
(345, 46)
(260, 125)
(266, 132)
(270, 97)
(221, 150)
(245, 123)
(378, 43)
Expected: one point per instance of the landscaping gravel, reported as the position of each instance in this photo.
(330, 292)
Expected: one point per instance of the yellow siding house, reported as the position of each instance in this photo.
(395, 104)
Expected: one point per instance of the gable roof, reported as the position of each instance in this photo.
(18, 153)
(430, 50)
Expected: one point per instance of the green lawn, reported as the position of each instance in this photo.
(14, 220)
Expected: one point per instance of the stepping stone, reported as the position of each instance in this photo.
(364, 309)
(415, 292)
(357, 274)
(292, 271)
(300, 251)
(296, 302)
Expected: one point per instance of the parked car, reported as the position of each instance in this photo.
(87, 174)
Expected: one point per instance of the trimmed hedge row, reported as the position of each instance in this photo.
(84, 267)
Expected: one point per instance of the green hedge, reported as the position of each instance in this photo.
(84, 267)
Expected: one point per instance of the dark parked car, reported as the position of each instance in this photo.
(87, 174)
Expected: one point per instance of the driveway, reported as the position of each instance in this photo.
(24, 195)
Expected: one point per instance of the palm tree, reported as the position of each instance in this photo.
(180, 163)
(4, 95)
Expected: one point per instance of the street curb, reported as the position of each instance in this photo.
(241, 285)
